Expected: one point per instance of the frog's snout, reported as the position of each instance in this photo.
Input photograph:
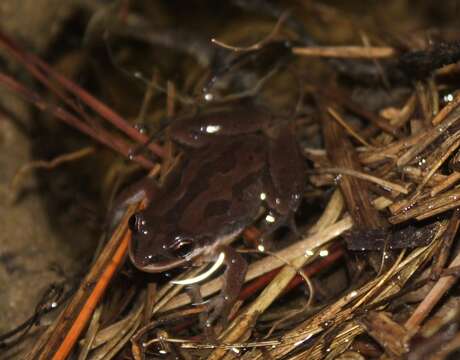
(147, 260)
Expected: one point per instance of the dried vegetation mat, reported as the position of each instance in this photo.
(371, 273)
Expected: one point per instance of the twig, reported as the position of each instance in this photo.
(446, 110)
(360, 175)
(442, 256)
(357, 52)
(430, 301)
(61, 159)
(443, 156)
(243, 322)
(340, 311)
(446, 183)
(42, 71)
(391, 151)
(75, 317)
(428, 207)
(81, 320)
(431, 135)
(258, 45)
(335, 94)
(100, 134)
(90, 334)
(355, 191)
(310, 243)
(347, 127)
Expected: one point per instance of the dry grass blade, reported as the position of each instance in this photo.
(376, 196)
(338, 312)
(391, 151)
(418, 175)
(308, 244)
(242, 323)
(438, 290)
(363, 52)
(122, 337)
(331, 214)
(90, 334)
(429, 136)
(355, 191)
(440, 156)
(342, 341)
(446, 110)
(428, 207)
(394, 338)
(446, 183)
(347, 127)
(382, 182)
(74, 318)
(105, 334)
(258, 45)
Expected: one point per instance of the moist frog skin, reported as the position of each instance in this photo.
(233, 165)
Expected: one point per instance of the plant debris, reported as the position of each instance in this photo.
(371, 267)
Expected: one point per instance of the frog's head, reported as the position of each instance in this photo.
(156, 249)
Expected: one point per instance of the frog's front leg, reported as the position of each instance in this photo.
(194, 293)
(233, 279)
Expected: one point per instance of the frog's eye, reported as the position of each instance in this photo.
(135, 222)
(183, 248)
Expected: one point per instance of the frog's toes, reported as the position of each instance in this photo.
(216, 308)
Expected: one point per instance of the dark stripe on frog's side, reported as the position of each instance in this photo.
(216, 208)
(224, 217)
(201, 171)
(237, 166)
(202, 219)
(182, 178)
(191, 179)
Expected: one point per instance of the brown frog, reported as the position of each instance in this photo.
(234, 164)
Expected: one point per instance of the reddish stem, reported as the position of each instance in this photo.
(335, 253)
(99, 134)
(40, 70)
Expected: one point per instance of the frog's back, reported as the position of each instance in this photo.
(215, 189)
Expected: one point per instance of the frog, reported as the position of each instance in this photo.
(235, 164)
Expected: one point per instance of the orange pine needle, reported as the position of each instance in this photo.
(99, 289)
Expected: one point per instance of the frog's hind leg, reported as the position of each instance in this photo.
(279, 214)
(197, 299)
(217, 309)
(287, 172)
(285, 182)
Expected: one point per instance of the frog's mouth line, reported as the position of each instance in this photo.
(159, 266)
(203, 276)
